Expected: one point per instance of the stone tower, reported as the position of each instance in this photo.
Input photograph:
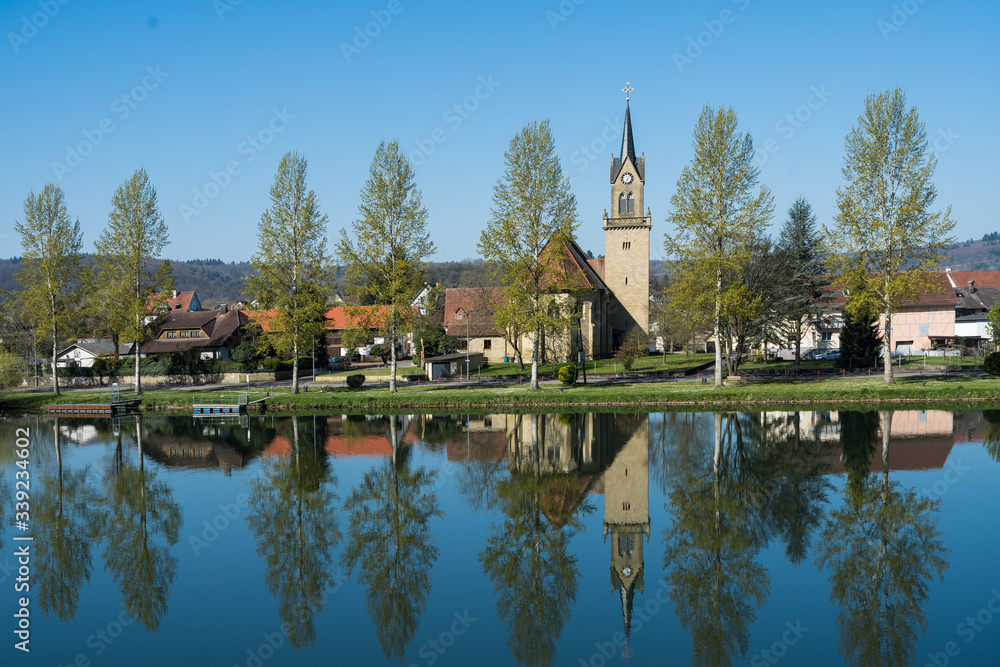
(626, 238)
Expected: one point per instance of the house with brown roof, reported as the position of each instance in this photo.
(215, 334)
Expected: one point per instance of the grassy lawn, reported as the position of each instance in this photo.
(828, 393)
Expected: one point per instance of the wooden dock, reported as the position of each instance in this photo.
(95, 409)
(236, 405)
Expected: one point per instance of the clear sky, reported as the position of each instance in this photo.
(186, 89)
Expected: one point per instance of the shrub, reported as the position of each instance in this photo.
(992, 363)
(355, 381)
(567, 374)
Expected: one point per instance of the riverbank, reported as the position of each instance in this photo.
(942, 391)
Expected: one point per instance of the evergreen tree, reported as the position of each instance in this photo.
(860, 341)
(799, 245)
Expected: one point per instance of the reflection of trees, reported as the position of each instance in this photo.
(679, 445)
(712, 543)
(389, 544)
(139, 512)
(791, 473)
(65, 528)
(293, 520)
(882, 548)
(991, 441)
(527, 558)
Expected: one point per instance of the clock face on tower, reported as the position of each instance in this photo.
(626, 179)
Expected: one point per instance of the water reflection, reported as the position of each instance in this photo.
(292, 516)
(991, 441)
(718, 528)
(65, 528)
(733, 485)
(140, 522)
(389, 543)
(551, 468)
(882, 549)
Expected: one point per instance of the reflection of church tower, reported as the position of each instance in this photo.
(626, 237)
(626, 516)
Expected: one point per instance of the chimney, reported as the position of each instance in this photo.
(972, 286)
(175, 294)
(223, 307)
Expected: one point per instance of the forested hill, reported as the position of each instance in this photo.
(213, 279)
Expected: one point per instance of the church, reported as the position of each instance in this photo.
(611, 294)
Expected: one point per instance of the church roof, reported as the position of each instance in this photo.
(628, 150)
(628, 145)
(567, 267)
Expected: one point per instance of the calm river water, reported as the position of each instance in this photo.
(819, 538)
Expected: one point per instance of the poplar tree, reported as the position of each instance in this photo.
(385, 263)
(532, 203)
(52, 266)
(718, 210)
(126, 251)
(886, 233)
(293, 271)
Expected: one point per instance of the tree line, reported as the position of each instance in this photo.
(725, 274)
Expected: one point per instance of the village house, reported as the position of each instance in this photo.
(83, 353)
(213, 333)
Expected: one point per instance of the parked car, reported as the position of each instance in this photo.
(829, 355)
(339, 363)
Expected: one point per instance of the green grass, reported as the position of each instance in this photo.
(829, 393)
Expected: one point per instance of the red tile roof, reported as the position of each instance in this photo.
(337, 318)
(567, 267)
(478, 304)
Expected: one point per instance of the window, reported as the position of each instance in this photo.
(631, 203)
(826, 336)
(487, 344)
(626, 280)
(622, 203)
(458, 316)
(626, 245)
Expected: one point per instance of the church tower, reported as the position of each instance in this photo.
(626, 237)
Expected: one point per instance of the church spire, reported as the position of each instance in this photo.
(628, 145)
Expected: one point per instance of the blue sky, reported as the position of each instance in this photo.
(208, 95)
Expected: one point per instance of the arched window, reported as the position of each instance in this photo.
(621, 203)
(631, 203)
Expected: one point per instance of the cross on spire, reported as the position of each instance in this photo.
(627, 89)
